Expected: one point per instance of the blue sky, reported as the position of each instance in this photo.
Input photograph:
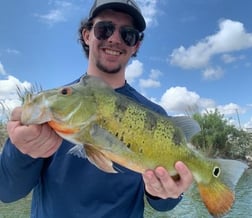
(195, 53)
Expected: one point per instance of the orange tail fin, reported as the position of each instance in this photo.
(217, 197)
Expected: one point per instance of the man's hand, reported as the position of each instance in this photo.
(33, 140)
(160, 184)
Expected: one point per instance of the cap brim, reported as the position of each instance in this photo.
(135, 14)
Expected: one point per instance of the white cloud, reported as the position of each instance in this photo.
(230, 112)
(2, 70)
(179, 99)
(228, 58)
(155, 73)
(62, 9)
(54, 16)
(248, 125)
(152, 81)
(59, 13)
(149, 83)
(9, 86)
(205, 103)
(134, 70)
(196, 56)
(230, 109)
(149, 10)
(231, 37)
(211, 73)
(8, 93)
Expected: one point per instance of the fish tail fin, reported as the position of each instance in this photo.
(217, 197)
(232, 171)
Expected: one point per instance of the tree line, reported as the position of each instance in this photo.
(218, 138)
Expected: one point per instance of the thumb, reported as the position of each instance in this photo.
(16, 114)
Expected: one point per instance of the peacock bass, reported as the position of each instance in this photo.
(109, 127)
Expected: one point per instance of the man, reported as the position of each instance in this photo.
(35, 157)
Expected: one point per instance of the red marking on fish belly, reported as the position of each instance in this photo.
(61, 128)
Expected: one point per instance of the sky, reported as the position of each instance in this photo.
(196, 55)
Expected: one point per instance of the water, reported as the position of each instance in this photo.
(190, 207)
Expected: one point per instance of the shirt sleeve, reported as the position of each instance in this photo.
(19, 173)
(163, 204)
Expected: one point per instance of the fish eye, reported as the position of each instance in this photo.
(66, 91)
(216, 171)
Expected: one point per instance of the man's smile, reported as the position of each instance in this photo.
(112, 52)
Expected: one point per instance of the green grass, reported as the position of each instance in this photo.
(18, 209)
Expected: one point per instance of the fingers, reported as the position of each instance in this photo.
(20, 134)
(49, 143)
(43, 144)
(186, 177)
(159, 183)
(33, 140)
(16, 114)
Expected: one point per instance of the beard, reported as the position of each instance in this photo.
(105, 69)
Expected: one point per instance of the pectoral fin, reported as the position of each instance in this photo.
(94, 156)
(116, 150)
(97, 158)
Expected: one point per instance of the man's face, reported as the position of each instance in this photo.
(110, 55)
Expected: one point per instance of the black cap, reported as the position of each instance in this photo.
(127, 6)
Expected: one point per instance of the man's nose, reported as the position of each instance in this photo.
(115, 37)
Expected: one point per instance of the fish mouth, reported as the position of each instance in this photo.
(35, 115)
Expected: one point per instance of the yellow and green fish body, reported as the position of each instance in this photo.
(111, 127)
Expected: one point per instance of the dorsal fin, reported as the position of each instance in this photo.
(189, 126)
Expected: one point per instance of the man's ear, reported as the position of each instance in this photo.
(85, 36)
(136, 48)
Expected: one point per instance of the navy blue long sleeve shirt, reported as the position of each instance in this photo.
(66, 186)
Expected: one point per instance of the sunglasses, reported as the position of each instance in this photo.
(104, 29)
